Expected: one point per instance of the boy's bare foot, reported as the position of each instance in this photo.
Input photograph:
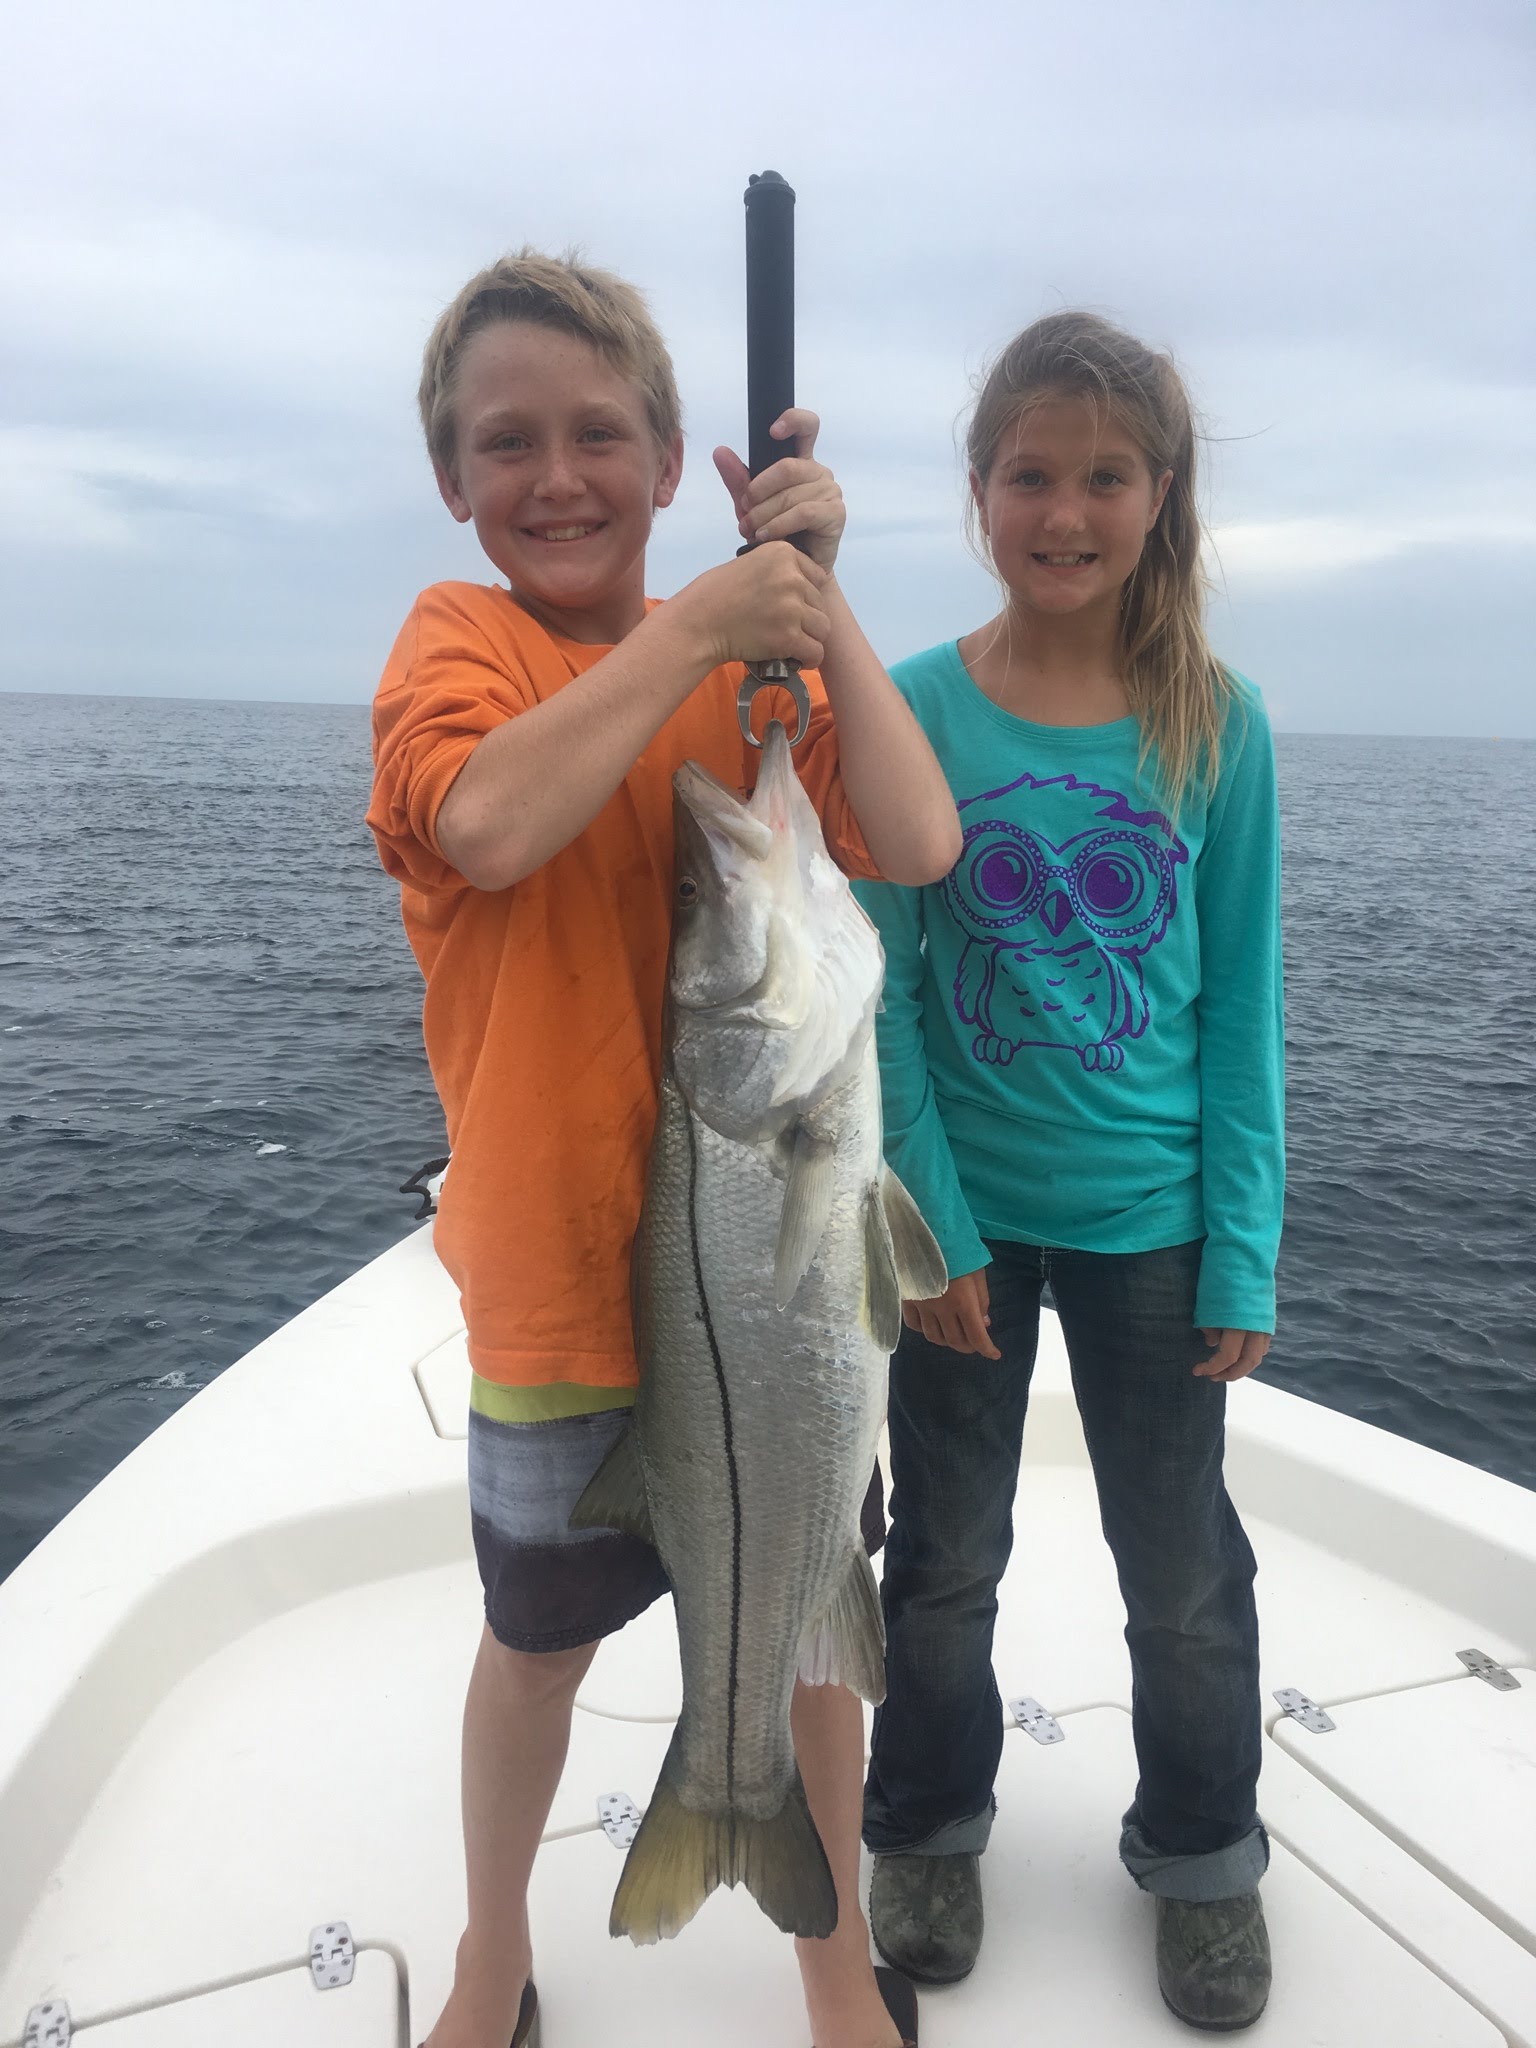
(482, 2007)
(842, 1999)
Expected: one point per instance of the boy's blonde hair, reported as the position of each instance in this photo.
(1178, 690)
(549, 291)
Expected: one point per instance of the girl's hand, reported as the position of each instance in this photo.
(957, 1318)
(796, 499)
(1234, 1353)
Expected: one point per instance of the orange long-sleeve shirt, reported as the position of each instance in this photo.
(544, 1001)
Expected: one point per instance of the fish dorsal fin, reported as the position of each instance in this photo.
(882, 1290)
(808, 1191)
(614, 1497)
(920, 1270)
(846, 1646)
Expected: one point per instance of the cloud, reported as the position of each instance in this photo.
(1295, 551)
(230, 229)
(88, 490)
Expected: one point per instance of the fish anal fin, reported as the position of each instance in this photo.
(847, 1645)
(882, 1290)
(679, 1857)
(614, 1497)
(808, 1189)
(920, 1270)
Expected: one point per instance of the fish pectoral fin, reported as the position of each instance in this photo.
(882, 1290)
(847, 1645)
(679, 1857)
(614, 1497)
(808, 1190)
(920, 1270)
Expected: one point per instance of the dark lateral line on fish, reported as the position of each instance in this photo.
(730, 1452)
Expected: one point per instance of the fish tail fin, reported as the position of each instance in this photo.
(678, 1858)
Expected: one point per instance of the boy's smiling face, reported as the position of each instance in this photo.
(557, 467)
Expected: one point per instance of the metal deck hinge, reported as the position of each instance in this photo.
(332, 1957)
(1306, 1711)
(1035, 1721)
(620, 1818)
(48, 2025)
(1489, 1670)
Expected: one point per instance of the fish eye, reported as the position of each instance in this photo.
(687, 892)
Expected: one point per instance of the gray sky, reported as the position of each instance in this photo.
(228, 227)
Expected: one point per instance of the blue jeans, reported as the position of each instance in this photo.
(1155, 1438)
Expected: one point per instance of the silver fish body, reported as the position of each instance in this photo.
(773, 1252)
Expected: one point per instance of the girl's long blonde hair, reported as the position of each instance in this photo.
(1178, 690)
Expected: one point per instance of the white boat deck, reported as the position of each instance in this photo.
(233, 1676)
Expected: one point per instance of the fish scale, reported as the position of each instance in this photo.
(805, 1385)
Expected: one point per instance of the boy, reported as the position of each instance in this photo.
(525, 738)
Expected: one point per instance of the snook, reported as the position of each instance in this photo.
(772, 1257)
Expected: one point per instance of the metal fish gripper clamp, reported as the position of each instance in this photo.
(773, 675)
(770, 205)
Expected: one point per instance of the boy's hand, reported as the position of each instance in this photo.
(958, 1317)
(796, 499)
(763, 606)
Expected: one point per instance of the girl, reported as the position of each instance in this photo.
(1081, 1055)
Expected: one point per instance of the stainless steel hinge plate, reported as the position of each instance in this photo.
(332, 1957)
(620, 1818)
(1306, 1711)
(1035, 1721)
(1489, 1670)
(48, 2025)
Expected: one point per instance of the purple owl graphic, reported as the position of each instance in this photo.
(1056, 932)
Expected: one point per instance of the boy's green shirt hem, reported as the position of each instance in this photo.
(554, 1401)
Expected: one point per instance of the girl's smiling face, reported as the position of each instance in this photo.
(1067, 505)
(557, 467)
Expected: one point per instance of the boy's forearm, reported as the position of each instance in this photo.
(894, 784)
(531, 786)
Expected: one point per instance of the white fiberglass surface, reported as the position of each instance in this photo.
(1491, 1969)
(1449, 1771)
(309, 1771)
(306, 1768)
(306, 1772)
(1327, 1624)
(282, 2009)
(1069, 1959)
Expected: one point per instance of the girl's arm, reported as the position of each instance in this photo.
(915, 1141)
(1242, 1034)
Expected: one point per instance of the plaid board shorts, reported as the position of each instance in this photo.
(549, 1586)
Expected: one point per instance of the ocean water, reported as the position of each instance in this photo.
(211, 1077)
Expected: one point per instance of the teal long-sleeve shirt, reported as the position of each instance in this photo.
(1082, 1040)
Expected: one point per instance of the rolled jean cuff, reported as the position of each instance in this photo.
(955, 1838)
(1217, 1874)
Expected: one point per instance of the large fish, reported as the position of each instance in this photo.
(774, 1251)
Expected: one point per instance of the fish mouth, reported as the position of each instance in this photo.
(719, 813)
